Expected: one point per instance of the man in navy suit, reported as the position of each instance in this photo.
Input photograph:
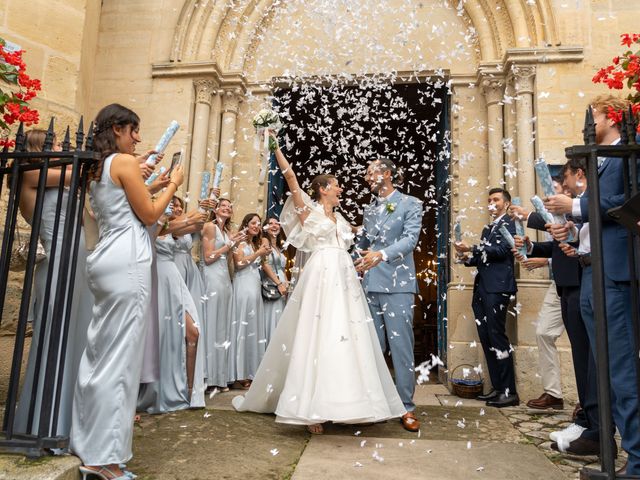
(494, 286)
(622, 351)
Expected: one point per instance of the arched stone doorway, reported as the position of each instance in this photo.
(513, 49)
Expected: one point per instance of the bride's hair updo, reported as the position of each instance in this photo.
(104, 139)
(320, 181)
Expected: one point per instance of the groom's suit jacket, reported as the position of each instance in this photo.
(396, 230)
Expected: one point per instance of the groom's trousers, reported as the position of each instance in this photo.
(393, 319)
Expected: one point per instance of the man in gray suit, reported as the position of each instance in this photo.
(392, 224)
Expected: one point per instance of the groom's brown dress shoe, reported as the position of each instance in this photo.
(410, 422)
(545, 401)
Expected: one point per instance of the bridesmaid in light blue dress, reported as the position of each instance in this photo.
(249, 330)
(273, 268)
(119, 271)
(180, 385)
(217, 245)
(82, 302)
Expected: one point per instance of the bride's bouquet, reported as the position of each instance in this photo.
(264, 121)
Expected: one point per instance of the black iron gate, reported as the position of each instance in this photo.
(13, 165)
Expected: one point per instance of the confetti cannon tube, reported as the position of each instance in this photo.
(548, 217)
(164, 141)
(520, 227)
(509, 238)
(457, 232)
(154, 175)
(204, 186)
(217, 177)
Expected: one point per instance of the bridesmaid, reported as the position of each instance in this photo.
(217, 243)
(181, 371)
(82, 302)
(249, 335)
(188, 226)
(119, 271)
(273, 268)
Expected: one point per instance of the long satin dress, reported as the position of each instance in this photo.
(192, 277)
(324, 362)
(249, 340)
(217, 326)
(171, 392)
(119, 272)
(79, 319)
(273, 308)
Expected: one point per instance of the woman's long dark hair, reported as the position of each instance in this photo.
(279, 239)
(257, 240)
(104, 139)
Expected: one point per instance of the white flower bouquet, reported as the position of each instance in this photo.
(265, 120)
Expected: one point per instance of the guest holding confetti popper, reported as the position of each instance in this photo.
(248, 333)
(217, 246)
(119, 271)
(493, 287)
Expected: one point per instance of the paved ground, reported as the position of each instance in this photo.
(459, 440)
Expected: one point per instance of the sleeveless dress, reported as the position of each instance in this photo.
(171, 391)
(218, 304)
(248, 329)
(119, 271)
(79, 319)
(273, 308)
(324, 361)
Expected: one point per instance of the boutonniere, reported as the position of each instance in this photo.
(390, 207)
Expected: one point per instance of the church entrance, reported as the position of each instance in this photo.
(338, 128)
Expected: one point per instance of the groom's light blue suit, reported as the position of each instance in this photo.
(393, 226)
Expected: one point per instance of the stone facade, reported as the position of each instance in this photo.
(525, 77)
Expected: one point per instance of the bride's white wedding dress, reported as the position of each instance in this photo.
(323, 362)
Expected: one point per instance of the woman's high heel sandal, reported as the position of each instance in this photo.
(101, 473)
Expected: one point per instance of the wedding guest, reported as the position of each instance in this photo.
(273, 269)
(493, 287)
(549, 325)
(42, 300)
(180, 385)
(119, 271)
(248, 335)
(217, 246)
(183, 235)
(617, 286)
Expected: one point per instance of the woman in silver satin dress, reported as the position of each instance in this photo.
(217, 245)
(82, 302)
(273, 268)
(180, 385)
(119, 271)
(248, 332)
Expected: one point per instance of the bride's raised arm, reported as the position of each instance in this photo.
(301, 208)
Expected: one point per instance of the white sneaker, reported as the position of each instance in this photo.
(567, 435)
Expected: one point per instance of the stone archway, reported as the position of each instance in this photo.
(493, 98)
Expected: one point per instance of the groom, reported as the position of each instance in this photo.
(392, 224)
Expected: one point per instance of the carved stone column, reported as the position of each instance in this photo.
(214, 131)
(204, 90)
(509, 140)
(230, 104)
(493, 90)
(523, 84)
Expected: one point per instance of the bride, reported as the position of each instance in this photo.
(323, 363)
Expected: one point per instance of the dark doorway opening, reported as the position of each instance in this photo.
(338, 129)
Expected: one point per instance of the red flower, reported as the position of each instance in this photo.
(615, 115)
